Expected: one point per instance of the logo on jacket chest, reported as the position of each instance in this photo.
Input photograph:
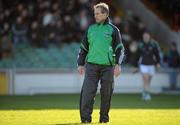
(147, 50)
(106, 34)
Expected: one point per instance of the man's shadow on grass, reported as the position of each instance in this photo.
(78, 123)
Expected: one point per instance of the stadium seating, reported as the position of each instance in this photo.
(26, 56)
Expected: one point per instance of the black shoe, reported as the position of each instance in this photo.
(103, 121)
(85, 121)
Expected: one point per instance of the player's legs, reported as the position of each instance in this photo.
(151, 72)
(145, 76)
(107, 83)
(146, 83)
(88, 92)
(172, 78)
(147, 73)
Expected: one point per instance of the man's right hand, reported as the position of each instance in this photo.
(158, 66)
(81, 70)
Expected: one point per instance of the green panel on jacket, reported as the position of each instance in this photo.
(100, 44)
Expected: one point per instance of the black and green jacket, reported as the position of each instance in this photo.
(101, 45)
(148, 53)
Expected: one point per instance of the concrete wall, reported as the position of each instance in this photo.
(28, 83)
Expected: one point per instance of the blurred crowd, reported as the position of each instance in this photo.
(39, 22)
(43, 22)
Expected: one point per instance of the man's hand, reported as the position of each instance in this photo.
(81, 70)
(158, 66)
(117, 70)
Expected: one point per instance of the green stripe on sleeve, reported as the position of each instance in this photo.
(119, 46)
(83, 47)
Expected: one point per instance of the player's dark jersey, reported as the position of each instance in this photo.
(149, 53)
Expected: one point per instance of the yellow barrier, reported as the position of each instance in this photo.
(3, 83)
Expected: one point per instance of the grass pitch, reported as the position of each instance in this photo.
(126, 109)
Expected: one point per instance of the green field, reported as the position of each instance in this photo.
(126, 109)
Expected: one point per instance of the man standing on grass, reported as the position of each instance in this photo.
(102, 51)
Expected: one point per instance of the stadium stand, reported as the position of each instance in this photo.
(167, 10)
(27, 57)
(39, 38)
(40, 34)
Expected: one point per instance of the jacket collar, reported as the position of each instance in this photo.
(105, 22)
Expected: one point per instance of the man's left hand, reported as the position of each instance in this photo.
(117, 70)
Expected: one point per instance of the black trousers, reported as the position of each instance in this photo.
(93, 74)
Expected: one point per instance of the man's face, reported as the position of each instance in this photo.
(146, 37)
(99, 16)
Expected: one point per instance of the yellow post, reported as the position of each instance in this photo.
(3, 83)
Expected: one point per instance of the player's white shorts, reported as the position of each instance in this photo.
(147, 69)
